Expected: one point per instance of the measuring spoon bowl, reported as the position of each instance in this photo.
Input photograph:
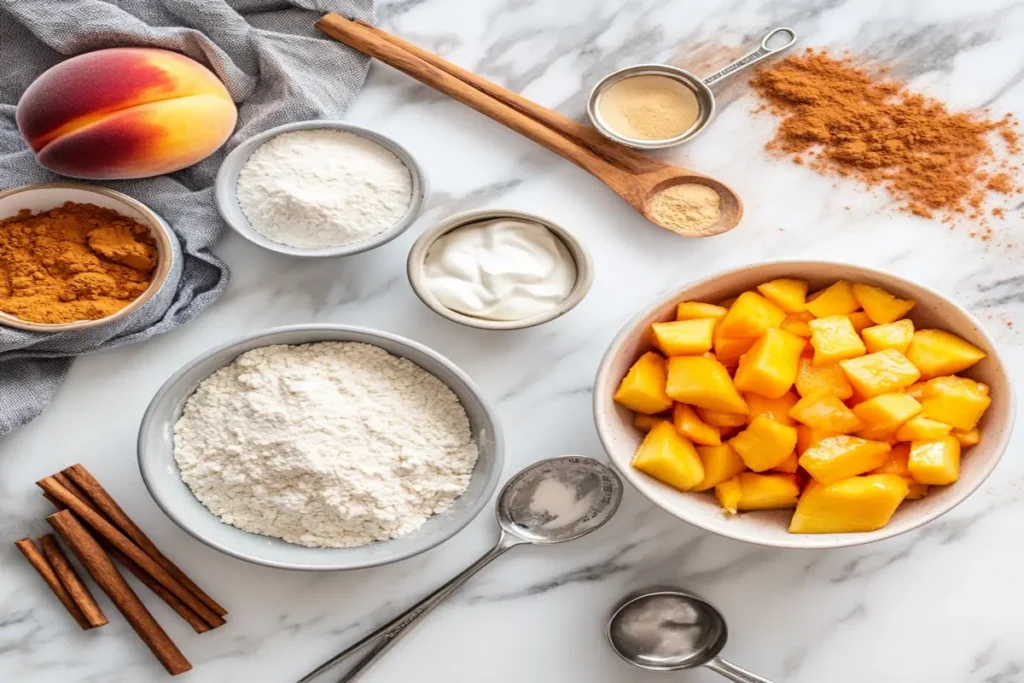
(701, 88)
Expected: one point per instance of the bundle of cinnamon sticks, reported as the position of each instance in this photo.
(97, 530)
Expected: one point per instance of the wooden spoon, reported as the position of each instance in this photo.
(634, 177)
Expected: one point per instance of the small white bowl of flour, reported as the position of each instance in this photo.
(320, 447)
(319, 189)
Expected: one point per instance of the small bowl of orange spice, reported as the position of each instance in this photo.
(805, 404)
(75, 256)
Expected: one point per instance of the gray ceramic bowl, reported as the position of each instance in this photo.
(160, 471)
(227, 182)
(44, 196)
(420, 249)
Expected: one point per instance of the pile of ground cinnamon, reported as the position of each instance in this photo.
(75, 262)
(837, 118)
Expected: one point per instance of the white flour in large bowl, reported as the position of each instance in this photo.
(333, 444)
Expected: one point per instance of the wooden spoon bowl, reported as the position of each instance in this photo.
(634, 177)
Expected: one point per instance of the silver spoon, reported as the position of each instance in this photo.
(669, 630)
(552, 501)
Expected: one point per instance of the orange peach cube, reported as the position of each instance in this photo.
(670, 458)
(691, 310)
(829, 380)
(936, 463)
(729, 349)
(881, 306)
(840, 457)
(834, 339)
(808, 436)
(896, 335)
(720, 463)
(703, 382)
(642, 390)
(764, 444)
(796, 324)
(857, 504)
(749, 316)
(886, 412)
(957, 401)
(769, 367)
(775, 408)
(645, 422)
(836, 299)
(825, 413)
(921, 428)
(937, 352)
(968, 438)
(721, 420)
(684, 337)
(693, 428)
(786, 293)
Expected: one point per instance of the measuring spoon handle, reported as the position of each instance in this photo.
(733, 672)
(755, 56)
(389, 633)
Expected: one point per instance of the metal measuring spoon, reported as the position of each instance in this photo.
(669, 630)
(701, 88)
(552, 501)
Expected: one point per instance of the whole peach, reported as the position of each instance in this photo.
(125, 113)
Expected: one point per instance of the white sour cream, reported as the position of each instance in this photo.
(502, 269)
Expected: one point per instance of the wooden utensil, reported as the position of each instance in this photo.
(634, 177)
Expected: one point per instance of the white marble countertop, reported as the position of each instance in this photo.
(937, 605)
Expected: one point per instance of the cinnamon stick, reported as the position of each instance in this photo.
(182, 610)
(106, 576)
(41, 565)
(108, 531)
(96, 494)
(71, 581)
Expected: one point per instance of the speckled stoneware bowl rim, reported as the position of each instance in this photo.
(226, 198)
(158, 229)
(163, 481)
(705, 100)
(749, 527)
(418, 255)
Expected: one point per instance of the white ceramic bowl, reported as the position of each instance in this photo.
(933, 310)
(226, 197)
(161, 476)
(44, 196)
(420, 249)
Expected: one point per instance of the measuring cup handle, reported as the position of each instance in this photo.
(733, 672)
(755, 56)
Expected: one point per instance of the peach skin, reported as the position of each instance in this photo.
(125, 113)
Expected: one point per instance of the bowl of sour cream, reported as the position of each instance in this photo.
(497, 269)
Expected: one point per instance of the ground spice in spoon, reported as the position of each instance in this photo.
(837, 118)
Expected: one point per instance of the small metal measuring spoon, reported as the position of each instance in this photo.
(700, 87)
(552, 501)
(669, 630)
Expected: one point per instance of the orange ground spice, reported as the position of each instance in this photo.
(838, 118)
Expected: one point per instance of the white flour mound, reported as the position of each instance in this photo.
(334, 444)
(322, 188)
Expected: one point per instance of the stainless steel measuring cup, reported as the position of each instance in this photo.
(701, 88)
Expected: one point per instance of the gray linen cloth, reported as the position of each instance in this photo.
(278, 69)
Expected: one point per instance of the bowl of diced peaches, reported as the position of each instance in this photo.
(804, 404)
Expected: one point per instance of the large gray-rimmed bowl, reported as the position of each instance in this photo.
(160, 471)
(226, 196)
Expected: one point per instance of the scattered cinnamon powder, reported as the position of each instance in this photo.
(75, 262)
(836, 118)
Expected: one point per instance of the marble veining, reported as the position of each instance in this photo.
(937, 605)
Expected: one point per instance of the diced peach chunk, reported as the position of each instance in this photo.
(642, 390)
(729, 349)
(721, 420)
(895, 461)
(692, 427)
(860, 321)
(825, 413)
(896, 335)
(921, 428)
(957, 401)
(851, 505)
(750, 315)
(881, 306)
(703, 382)
(796, 324)
(968, 438)
(720, 463)
(690, 310)
(684, 337)
(764, 444)
(937, 352)
(775, 408)
(839, 457)
(935, 462)
(645, 422)
(834, 339)
(886, 412)
(669, 457)
(786, 293)
(767, 491)
(769, 367)
(829, 380)
(808, 436)
(917, 490)
(836, 299)
(790, 465)
(881, 372)
(728, 494)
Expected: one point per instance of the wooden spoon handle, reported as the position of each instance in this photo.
(574, 130)
(361, 38)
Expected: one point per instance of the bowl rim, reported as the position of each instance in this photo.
(602, 377)
(148, 425)
(158, 229)
(417, 255)
(226, 184)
